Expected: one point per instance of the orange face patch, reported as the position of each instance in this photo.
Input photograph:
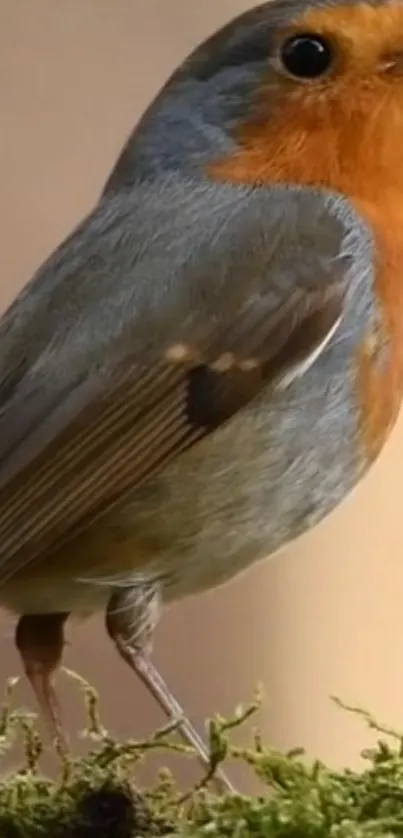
(317, 133)
(344, 133)
(366, 34)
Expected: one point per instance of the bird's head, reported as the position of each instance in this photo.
(294, 92)
(327, 106)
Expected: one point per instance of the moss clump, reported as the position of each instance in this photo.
(95, 796)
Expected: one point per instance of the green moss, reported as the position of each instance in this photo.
(95, 796)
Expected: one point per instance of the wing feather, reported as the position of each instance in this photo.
(207, 328)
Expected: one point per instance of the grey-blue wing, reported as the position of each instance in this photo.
(164, 314)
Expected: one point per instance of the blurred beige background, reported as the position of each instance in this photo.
(324, 618)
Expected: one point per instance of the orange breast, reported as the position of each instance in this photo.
(380, 388)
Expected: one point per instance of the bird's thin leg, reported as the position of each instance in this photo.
(130, 621)
(40, 640)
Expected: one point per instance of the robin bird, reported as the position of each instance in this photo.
(214, 358)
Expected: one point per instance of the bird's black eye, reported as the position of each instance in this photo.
(306, 56)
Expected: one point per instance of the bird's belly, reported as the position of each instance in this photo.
(256, 485)
(272, 473)
(42, 591)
